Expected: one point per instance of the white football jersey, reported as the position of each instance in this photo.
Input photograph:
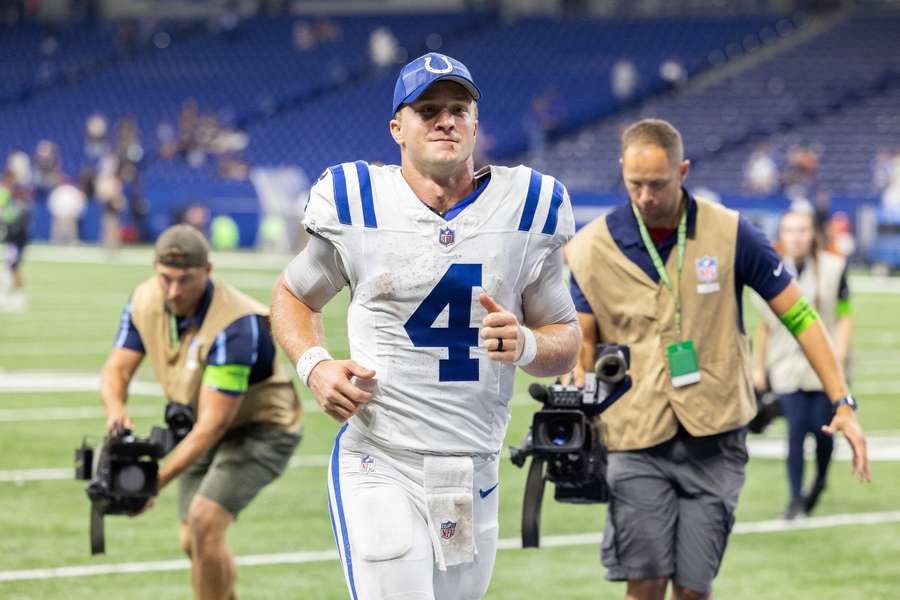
(415, 278)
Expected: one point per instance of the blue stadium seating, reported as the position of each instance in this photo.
(845, 104)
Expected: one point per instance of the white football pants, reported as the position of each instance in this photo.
(379, 516)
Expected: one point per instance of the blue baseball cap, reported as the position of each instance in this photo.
(419, 74)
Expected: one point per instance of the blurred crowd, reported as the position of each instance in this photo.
(794, 173)
(110, 173)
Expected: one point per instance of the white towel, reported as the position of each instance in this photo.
(448, 492)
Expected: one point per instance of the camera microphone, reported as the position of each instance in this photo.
(611, 367)
(538, 392)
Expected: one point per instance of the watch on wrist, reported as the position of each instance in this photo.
(847, 400)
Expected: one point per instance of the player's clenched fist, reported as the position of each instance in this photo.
(332, 386)
(501, 333)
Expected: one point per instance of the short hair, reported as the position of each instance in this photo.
(657, 132)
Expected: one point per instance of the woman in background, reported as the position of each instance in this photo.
(781, 364)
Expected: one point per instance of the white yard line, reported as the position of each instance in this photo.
(20, 476)
(143, 256)
(34, 381)
(71, 413)
(29, 382)
(550, 541)
(881, 449)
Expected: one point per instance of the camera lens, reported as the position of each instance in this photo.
(131, 479)
(611, 367)
(560, 431)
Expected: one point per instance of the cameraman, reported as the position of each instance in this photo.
(210, 348)
(664, 274)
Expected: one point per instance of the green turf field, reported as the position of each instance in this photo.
(72, 317)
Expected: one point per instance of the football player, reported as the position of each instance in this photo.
(455, 280)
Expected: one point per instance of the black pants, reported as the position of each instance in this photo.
(806, 412)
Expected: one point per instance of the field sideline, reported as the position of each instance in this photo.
(50, 356)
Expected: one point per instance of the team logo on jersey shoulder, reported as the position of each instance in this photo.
(367, 464)
(446, 236)
(448, 529)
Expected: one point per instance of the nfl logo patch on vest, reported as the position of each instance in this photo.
(446, 236)
(448, 529)
(707, 274)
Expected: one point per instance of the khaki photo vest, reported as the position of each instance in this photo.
(179, 369)
(632, 309)
(789, 370)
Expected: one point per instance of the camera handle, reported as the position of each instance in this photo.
(98, 538)
(531, 504)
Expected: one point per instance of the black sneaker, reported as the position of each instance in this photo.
(812, 498)
(794, 510)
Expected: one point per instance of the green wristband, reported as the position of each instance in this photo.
(799, 317)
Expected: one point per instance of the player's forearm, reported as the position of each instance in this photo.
(295, 326)
(818, 350)
(193, 446)
(114, 388)
(814, 342)
(586, 355)
(842, 336)
(558, 346)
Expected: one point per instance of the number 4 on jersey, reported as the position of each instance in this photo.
(454, 289)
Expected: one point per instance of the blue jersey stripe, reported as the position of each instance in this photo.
(124, 326)
(365, 194)
(555, 202)
(220, 349)
(254, 334)
(531, 201)
(339, 185)
(336, 484)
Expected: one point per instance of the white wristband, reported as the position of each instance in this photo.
(308, 360)
(530, 349)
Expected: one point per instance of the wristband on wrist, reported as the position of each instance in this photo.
(308, 360)
(530, 349)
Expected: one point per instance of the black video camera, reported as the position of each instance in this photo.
(123, 475)
(564, 438)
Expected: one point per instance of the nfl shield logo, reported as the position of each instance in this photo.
(707, 269)
(446, 236)
(367, 464)
(448, 529)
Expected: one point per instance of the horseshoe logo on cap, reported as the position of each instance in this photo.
(431, 69)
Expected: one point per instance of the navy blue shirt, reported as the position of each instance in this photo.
(755, 261)
(247, 341)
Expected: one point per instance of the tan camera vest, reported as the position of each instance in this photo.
(789, 370)
(632, 309)
(179, 369)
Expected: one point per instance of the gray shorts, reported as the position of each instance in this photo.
(672, 508)
(236, 469)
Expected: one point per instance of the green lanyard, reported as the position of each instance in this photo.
(173, 331)
(658, 263)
